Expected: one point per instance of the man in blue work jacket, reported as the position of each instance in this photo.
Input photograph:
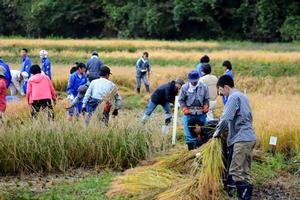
(76, 79)
(7, 72)
(25, 67)
(46, 63)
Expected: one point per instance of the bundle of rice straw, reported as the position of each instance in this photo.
(143, 182)
(211, 172)
(207, 185)
(177, 175)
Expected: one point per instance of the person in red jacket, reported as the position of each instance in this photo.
(40, 92)
(2, 91)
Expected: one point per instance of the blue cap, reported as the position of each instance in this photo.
(193, 76)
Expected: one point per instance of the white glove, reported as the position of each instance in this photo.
(215, 135)
(71, 97)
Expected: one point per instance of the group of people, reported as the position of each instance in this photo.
(89, 86)
(197, 99)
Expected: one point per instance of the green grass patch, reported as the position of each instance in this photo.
(90, 188)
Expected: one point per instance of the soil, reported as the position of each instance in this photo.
(284, 187)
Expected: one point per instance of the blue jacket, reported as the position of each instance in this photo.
(199, 69)
(26, 64)
(7, 72)
(74, 82)
(46, 67)
(224, 98)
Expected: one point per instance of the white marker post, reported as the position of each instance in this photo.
(175, 120)
(273, 142)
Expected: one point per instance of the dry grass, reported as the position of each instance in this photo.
(258, 56)
(277, 115)
(104, 43)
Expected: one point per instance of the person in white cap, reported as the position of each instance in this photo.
(45, 63)
(17, 79)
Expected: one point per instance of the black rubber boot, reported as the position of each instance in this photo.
(230, 186)
(148, 88)
(244, 190)
(138, 90)
(168, 121)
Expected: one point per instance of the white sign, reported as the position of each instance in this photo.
(273, 140)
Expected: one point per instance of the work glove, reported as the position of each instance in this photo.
(205, 109)
(71, 97)
(107, 107)
(185, 110)
(115, 112)
(83, 110)
(216, 135)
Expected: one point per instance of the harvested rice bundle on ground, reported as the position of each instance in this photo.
(143, 182)
(211, 171)
(207, 184)
(180, 161)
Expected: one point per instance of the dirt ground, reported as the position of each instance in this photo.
(285, 187)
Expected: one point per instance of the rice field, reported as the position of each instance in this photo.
(268, 73)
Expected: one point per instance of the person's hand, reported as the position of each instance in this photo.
(205, 108)
(71, 97)
(216, 135)
(199, 138)
(185, 110)
(115, 112)
(83, 110)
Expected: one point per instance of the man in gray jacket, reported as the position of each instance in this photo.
(142, 68)
(193, 100)
(93, 66)
(237, 117)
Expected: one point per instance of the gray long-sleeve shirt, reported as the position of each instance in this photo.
(98, 89)
(237, 117)
(194, 99)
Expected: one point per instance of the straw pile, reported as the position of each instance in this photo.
(177, 175)
(180, 175)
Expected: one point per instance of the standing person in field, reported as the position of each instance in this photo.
(237, 118)
(211, 82)
(46, 63)
(25, 67)
(94, 65)
(76, 79)
(163, 95)
(203, 60)
(143, 68)
(40, 92)
(3, 91)
(7, 72)
(194, 102)
(97, 92)
(228, 71)
(17, 81)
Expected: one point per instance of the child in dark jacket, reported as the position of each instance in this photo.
(164, 95)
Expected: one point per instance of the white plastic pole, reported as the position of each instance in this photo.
(175, 120)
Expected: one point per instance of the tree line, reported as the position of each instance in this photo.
(259, 20)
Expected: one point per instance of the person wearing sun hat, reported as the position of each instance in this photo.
(46, 63)
(17, 80)
(194, 102)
